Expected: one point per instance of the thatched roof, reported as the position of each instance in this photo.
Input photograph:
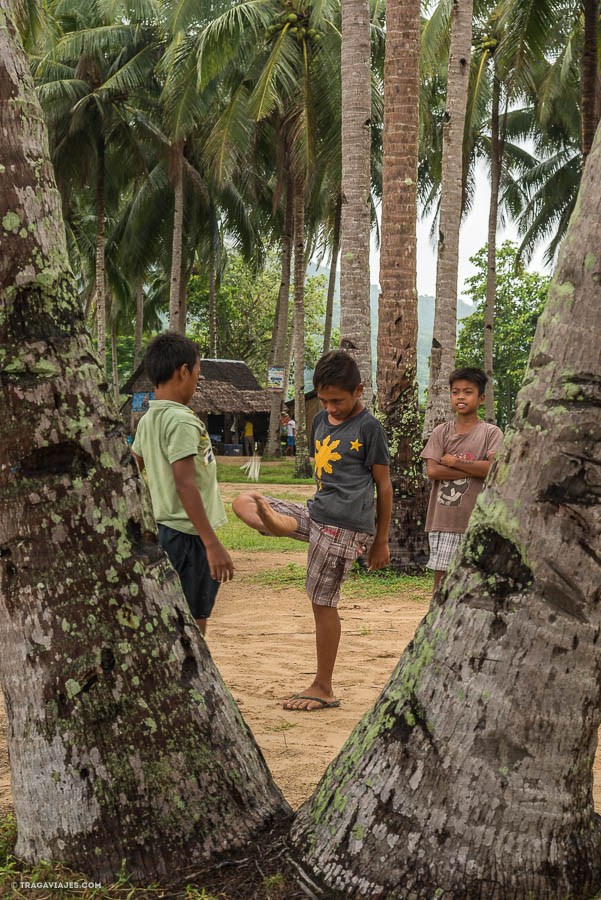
(224, 386)
(228, 386)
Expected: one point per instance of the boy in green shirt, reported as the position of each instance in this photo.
(174, 448)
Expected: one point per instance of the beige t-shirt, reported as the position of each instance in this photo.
(167, 432)
(451, 502)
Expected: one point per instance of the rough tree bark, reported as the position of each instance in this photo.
(100, 279)
(444, 337)
(176, 164)
(139, 323)
(274, 446)
(183, 296)
(124, 742)
(355, 317)
(302, 468)
(212, 308)
(397, 331)
(327, 328)
(588, 80)
(114, 360)
(472, 774)
(497, 143)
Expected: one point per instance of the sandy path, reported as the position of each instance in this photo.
(276, 659)
(262, 641)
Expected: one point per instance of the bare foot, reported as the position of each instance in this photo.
(312, 699)
(276, 523)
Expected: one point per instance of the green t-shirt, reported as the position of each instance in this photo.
(167, 432)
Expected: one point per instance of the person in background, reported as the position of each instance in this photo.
(249, 438)
(291, 429)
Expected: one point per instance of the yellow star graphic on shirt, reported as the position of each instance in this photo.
(355, 445)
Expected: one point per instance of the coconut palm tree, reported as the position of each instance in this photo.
(87, 72)
(397, 331)
(355, 317)
(445, 318)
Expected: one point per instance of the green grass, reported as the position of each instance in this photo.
(281, 472)
(384, 583)
(235, 535)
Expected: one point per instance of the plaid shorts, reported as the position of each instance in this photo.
(332, 551)
(443, 546)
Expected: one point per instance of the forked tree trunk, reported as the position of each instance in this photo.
(472, 774)
(124, 743)
(327, 328)
(177, 164)
(355, 317)
(397, 332)
(274, 446)
(588, 80)
(444, 337)
(139, 323)
(302, 468)
(496, 158)
(100, 287)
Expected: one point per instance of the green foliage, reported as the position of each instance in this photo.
(245, 302)
(519, 301)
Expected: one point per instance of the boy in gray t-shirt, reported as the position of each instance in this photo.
(351, 458)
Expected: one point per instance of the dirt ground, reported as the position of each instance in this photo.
(263, 643)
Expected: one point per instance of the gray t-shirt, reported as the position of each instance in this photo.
(344, 455)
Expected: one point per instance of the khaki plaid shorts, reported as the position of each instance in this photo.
(332, 551)
(443, 547)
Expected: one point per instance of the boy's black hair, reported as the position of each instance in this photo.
(470, 373)
(337, 369)
(166, 353)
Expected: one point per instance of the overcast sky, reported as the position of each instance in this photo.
(472, 237)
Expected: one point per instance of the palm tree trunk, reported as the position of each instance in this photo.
(491, 280)
(327, 329)
(289, 360)
(95, 679)
(183, 299)
(100, 287)
(588, 81)
(176, 249)
(302, 467)
(114, 359)
(397, 331)
(212, 309)
(472, 775)
(355, 315)
(139, 323)
(444, 338)
(274, 447)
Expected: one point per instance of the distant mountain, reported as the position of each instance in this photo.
(425, 317)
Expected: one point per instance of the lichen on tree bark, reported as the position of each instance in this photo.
(124, 742)
(472, 774)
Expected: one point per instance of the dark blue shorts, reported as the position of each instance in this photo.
(188, 557)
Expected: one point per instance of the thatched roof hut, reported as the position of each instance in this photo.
(226, 388)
